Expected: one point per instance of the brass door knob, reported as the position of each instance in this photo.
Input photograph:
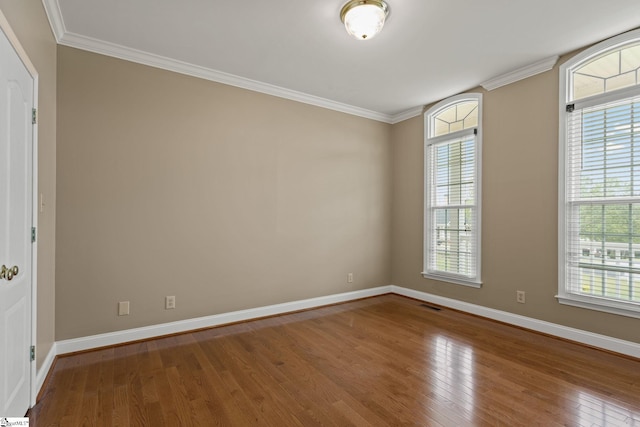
(8, 273)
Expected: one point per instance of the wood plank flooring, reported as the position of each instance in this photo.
(381, 361)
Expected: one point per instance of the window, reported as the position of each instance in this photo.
(599, 174)
(453, 145)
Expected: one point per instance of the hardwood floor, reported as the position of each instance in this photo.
(381, 361)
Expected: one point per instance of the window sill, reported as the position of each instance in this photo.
(607, 306)
(453, 279)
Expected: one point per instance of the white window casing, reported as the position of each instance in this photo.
(599, 178)
(452, 208)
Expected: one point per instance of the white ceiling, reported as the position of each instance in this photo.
(298, 49)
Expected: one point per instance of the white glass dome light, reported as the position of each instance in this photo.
(363, 19)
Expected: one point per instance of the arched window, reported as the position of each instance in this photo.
(453, 147)
(599, 177)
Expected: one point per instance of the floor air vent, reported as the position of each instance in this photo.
(430, 307)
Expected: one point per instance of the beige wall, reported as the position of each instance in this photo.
(519, 212)
(29, 21)
(226, 198)
(229, 199)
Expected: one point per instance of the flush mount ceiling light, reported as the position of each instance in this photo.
(363, 19)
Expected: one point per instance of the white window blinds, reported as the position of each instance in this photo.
(452, 206)
(602, 211)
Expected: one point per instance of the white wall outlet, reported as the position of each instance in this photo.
(123, 308)
(169, 302)
(350, 278)
(520, 297)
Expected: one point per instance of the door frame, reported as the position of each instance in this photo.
(22, 54)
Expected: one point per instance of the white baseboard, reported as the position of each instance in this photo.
(589, 338)
(95, 341)
(119, 337)
(41, 376)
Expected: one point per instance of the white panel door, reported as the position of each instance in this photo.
(16, 154)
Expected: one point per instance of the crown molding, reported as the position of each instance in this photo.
(157, 61)
(405, 115)
(494, 83)
(78, 41)
(54, 14)
(520, 73)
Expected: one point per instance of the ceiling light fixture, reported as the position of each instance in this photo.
(363, 19)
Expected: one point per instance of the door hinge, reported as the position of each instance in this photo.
(33, 234)
(34, 116)
(32, 353)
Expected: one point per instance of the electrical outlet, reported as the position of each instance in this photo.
(520, 297)
(169, 302)
(350, 278)
(123, 308)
